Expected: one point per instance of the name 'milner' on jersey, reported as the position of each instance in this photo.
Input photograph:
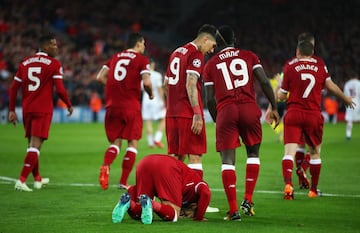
(304, 79)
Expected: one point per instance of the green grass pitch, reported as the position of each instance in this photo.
(74, 201)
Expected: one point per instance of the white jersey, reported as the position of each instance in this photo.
(154, 109)
(352, 88)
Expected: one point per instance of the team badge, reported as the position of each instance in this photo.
(197, 63)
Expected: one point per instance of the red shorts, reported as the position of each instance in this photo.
(164, 183)
(37, 124)
(303, 125)
(236, 120)
(181, 140)
(123, 123)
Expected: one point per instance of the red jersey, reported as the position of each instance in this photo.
(123, 85)
(231, 72)
(38, 74)
(184, 60)
(174, 182)
(304, 79)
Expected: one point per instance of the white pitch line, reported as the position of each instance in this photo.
(9, 180)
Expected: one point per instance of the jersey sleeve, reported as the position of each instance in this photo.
(195, 63)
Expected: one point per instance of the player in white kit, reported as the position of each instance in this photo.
(154, 110)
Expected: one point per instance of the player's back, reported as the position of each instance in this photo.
(304, 79)
(231, 72)
(123, 87)
(183, 60)
(37, 74)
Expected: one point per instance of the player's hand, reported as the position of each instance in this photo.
(349, 103)
(151, 96)
(197, 124)
(70, 111)
(274, 116)
(13, 117)
(268, 118)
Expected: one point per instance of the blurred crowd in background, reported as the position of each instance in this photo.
(90, 31)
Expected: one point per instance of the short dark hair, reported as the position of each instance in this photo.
(305, 36)
(133, 38)
(45, 39)
(225, 36)
(208, 28)
(306, 48)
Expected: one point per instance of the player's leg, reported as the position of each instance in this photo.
(315, 168)
(349, 126)
(195, 163)
(287, 168)
(149, 133)
(228, 174)
(112, 130)
(128, 163)
(251, 176)
(159, 133)
(301, 166)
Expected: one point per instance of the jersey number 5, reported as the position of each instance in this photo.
(237, 68)
(32, 75)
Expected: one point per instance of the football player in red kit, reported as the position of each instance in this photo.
(172, 182)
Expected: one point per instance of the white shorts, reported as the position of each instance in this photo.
(153, 110)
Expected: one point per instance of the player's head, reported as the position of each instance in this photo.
(225, 36)
(152, 64)
(206, 38)
(352, 74)
(305, 48)
(48, 45)
(306, 36)
(136, 41)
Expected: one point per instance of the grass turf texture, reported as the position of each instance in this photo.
(74, 201)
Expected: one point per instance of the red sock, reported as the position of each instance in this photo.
(287, 168)
(306, 163)
(229, 182)
(36, 172)
(252, 173)
(299, 156)
(315, 167)
(127, 164)
(165, 212)
(110, 154)
(29, 163)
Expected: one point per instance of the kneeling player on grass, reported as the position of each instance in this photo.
(172, 182)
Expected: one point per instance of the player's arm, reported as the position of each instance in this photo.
(269, 93)
(192, 93)
(102, 74)
(61, 91)
(147, 84)
(211, 101)
(166, 86)
(12, 100)
(334, 89)
(204, 199)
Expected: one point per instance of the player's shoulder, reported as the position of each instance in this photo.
(291, 61)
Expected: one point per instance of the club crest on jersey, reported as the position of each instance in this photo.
(197, 63)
